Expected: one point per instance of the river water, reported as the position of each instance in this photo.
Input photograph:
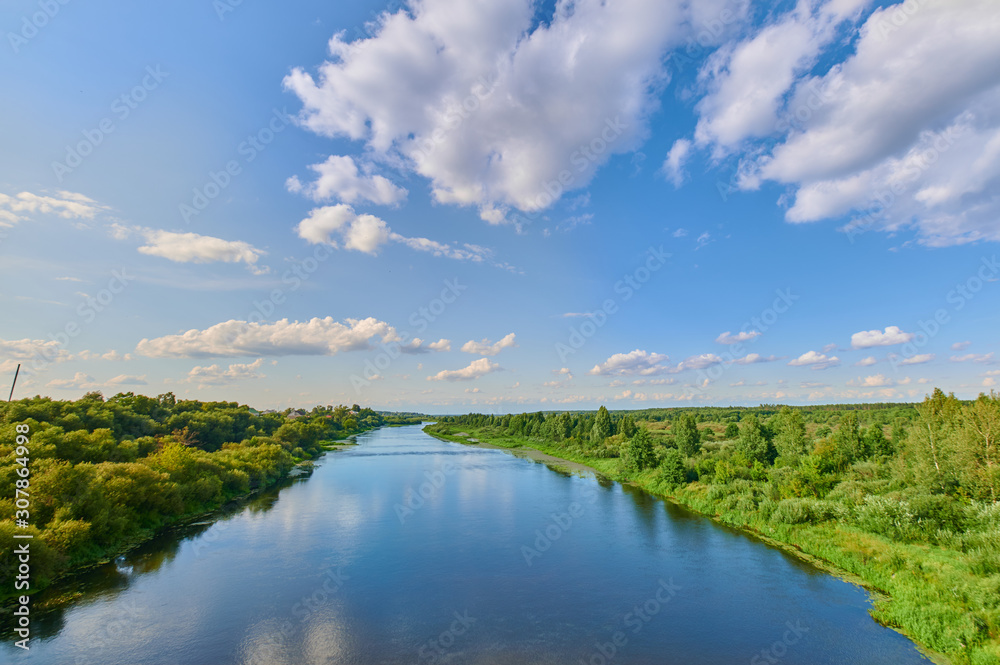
(406, 549)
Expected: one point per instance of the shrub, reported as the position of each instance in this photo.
(803, 511)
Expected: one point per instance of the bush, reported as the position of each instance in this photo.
(888, 517)
(803, 511)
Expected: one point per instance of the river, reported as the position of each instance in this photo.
(407, 549)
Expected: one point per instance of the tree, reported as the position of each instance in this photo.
(978, 446)
(790, 435)
(603, 427)
(752, 443)
(876, 443)
(686, 435)
(849, 447)
(732, 431)
(627, 427)
(672, 468)
(638, 454)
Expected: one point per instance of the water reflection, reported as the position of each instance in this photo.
(106, 581)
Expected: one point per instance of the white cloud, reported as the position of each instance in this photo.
(26, 349)
(980, 358)
(918, 359)
(815, 360)
(486, 348)
(475, 370)
(67, 205)
(748, 82)
(930, 165)
(194, 248)
(80, 381)
(869, 338)
(960, 346)
(127, 380)
(440, 345)
(214, 375)
(703, 361)
(932, 162)
(876, 381)
(729, 338)
(489, 105)
(416, 346)
(340, 226)
(755, 358)
(635, 362)
(673, 165)
(866, 362)
(339, 179)
(281, 338)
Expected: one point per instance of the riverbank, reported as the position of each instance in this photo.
(881, 567)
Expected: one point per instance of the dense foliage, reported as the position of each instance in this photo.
(105, 474)
(904, 496)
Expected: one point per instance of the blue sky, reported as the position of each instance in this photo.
(501, 205)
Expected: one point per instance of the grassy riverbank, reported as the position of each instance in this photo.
(943, 594)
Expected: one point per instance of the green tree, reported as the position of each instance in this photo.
(672, 469)
(603, 427)
(790, 435)
(638, 454)
(752, 443)
(732, 431)
(848, 446)
(627, 427)
(876, 443)
(686, 435)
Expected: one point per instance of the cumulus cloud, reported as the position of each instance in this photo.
(748, 81)
(475, 370)
(213, 375)
(869, 338)
(918, 359)
(489, 104)
(702, 361)
(68, 205)
(931, 165)
(194, 248)
(815, 360)
(637, 362)
(876, 381)
(127, 380)
(338, 178)
(729, 338)
(486, 348)
(673, 165)
(960, 346)
(339, 226)
(755, 358)
(316, 337)
(80, 381)
(981, 358)
(866, 362)
(28, 349)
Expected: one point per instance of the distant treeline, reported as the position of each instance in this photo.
(108, 473)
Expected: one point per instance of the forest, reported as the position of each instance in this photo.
(106, 474)
(899, 497)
